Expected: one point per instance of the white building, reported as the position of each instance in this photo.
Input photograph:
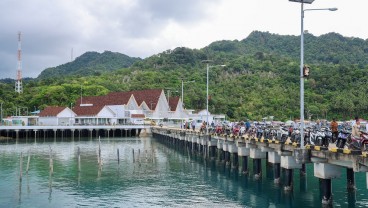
(56, 116)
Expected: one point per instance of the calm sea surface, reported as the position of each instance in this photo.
(156, 176)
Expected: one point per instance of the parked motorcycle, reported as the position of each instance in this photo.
(358, 143)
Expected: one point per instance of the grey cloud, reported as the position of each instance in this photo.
(51, 28)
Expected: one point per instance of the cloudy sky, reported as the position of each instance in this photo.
(141, 28)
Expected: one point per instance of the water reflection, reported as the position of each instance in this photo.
(155, 176)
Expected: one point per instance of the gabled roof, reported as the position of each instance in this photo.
(87, 110)
(173, 103)
(51, 111)
(137, 116)
(150, 97)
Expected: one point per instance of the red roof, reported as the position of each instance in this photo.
(173, 103)
(51, 111)
(150, 97)
(87, 110)
(137, 116)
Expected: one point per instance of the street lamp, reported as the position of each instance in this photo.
(208, 67)
(302, 63)
(1, 119)
(182, 99)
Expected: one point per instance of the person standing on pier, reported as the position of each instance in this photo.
(355, 131)
(334, 130)
(247, 126)
(193, 124)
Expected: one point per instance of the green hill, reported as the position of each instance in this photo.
(261, 77)
(90, 63)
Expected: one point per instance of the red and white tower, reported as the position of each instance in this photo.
(18, 82)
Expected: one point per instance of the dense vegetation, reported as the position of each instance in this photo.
(90, 63)
(261, 78)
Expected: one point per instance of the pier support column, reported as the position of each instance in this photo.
(326, 172)
(90, 133)
(220, 150)
(289, 163)
(275, 159)
(233, 151)
(244, 152)
(35, 135)
(212, 144)
(257, 155)
(327, 191)
(17, 134)
(350, 179)
(225, 148)
(303, 171)
(194, 143)
(289, 180)
(72, 132)
(55, 132)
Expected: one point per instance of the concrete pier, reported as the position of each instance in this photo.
(328, 164)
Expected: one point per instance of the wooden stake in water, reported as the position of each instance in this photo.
(29, 160)
(99, 152)
(51, 162)
(79, 160)
(118, 156)
(21, 166)
(133, 156)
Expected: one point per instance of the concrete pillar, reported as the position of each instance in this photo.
(225, 147)
(17, 134)
(276, 173)
(289, 163)
(288, 180)
(257, 155)
(350, 179)
(326, 192)
(257, 168)
(108, 133)
(275, 159)
(220, 149)
(233, 151)
(90, 133)
(326, 172)
(244, 169)
(35, 134)
(244, 152)
(212, 144)
(55, 132)
(303, 171)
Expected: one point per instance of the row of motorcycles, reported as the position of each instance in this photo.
(312, 135)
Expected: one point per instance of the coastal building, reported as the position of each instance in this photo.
(117, 108)
(56, 116)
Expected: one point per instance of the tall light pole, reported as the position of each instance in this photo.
(182, 100)
(207, 68)
(1, 119)
(302, 10)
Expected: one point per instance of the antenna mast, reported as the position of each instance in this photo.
(18, 82)
(71, 55)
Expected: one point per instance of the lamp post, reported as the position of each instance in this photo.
(1, 119)
(182, 99)
(207, 68)
(302, 10)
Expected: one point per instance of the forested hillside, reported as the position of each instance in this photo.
(261, 78)
(90, 63)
